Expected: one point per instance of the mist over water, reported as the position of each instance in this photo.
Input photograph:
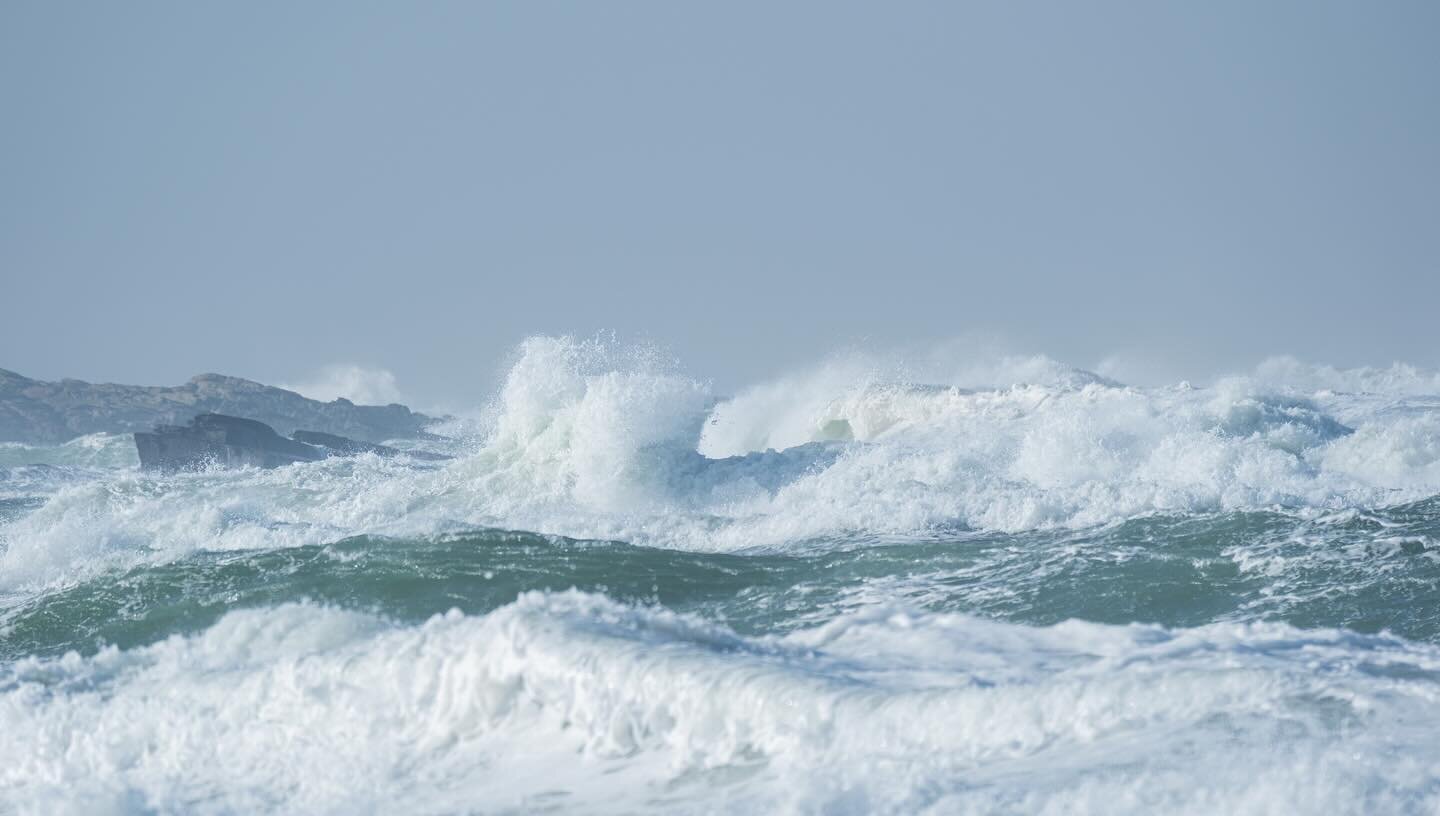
(942, 583)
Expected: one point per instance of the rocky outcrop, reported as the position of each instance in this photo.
(340, 446)
(39, 413)
(216, 440)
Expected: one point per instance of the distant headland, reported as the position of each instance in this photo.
(37, 412)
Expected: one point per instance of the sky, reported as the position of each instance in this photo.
(280, 190)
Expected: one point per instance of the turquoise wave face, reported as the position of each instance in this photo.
(1368, 572)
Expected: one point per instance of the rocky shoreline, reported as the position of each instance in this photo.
(37, 412)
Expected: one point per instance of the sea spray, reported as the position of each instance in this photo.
(575, 701)
(985, 585)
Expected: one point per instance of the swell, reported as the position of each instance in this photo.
(1017, 587)
(593, 441)
(576, 701)
(1368, 572)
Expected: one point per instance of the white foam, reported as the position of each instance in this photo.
(591, 439)
(99, 450)
(362, 385)
(1398, 379)
(574, 701)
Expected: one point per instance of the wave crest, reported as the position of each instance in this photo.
(572, 698)
(593, 439)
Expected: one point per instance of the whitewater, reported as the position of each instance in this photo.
(939, 582)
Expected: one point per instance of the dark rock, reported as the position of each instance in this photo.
(37, 412)
(340, 446)
(218, 440)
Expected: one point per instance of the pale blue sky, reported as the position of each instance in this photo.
(266, 188)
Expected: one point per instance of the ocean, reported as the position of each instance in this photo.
(873, 586)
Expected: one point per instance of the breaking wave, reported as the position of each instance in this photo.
(881, 585)
(592, 440)
(569, 700)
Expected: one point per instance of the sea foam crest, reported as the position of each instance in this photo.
(597, 440)
(574, 700)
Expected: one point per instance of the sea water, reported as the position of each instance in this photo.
(875, 586)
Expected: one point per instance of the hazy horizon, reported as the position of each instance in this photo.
(267, 191)
(956, 362)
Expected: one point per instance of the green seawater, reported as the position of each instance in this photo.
(1367, 572)
(1067, 598)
